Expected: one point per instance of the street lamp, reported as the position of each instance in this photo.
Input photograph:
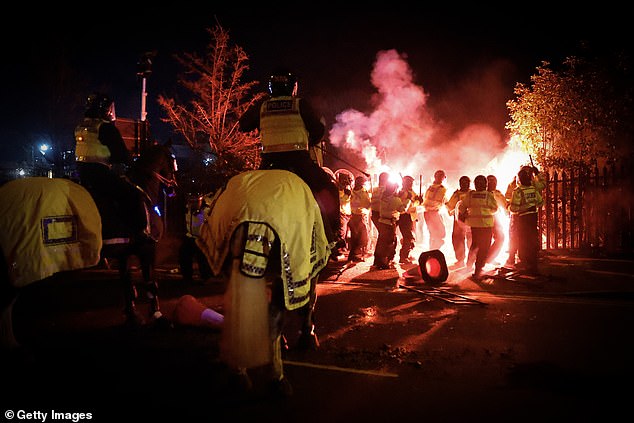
(44, 148)
(144, 70)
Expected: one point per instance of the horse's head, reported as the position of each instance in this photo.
(155, 170)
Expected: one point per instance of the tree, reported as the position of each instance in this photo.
(573, 118)
(209, 121)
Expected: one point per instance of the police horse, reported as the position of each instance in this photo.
(266, 233)
(53, 225)
(152, 174)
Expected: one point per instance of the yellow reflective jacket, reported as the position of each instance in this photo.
(434, 197)
(360, 201)
(281, 125)
(479, 206)
(451, 204)
(526, 199)
(88, 148)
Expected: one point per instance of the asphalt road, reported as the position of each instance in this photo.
(557, 347)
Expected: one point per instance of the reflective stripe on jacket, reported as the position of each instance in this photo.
(525, 200)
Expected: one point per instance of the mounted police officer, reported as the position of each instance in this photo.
(289, 129)
(102, 159)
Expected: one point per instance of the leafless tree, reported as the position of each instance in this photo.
(209, 120)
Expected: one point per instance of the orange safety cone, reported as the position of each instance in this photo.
(191, 312)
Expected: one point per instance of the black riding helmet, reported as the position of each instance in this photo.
(282, 83)
(100, 106)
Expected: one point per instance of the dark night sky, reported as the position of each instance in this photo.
(455, 55)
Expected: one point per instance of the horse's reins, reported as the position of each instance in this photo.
(169, 182)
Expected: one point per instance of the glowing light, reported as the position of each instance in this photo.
(433, 267)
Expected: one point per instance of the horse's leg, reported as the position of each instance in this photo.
(147, 255)
(308, 338)
(133, 317)
(146, 259)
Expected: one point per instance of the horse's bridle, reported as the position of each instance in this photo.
(167, 182)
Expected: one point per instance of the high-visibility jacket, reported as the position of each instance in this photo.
(434, 197)
(480, 206)
(451, 204)
(88, 148)
(344, 202)
(360, 201)
(281, 125)
(411, 202)
(375, 199)
(391, 208)
(526, 199)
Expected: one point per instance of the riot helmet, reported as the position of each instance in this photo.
(439, 176)
(480, 183)
(492, 182)
(525, 175)
(464, 183)
(359, 182)
(282, 83)
(100, 106)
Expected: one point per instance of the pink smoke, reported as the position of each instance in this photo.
(402, 136)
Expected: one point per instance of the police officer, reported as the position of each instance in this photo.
(407, 220)
(510, 261)
(525, 203)
(102, 159)
(461, 232)
(359, 220)
(391, 206)
(479, 206)
(289, 128)
(196, 212)
(433, 200)
(498, 226)
(375, 206)
(344, 183)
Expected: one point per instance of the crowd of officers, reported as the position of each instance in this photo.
(478, 232)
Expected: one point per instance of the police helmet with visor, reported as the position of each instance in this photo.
(282, 83)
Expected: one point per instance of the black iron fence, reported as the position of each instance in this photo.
(588, 210)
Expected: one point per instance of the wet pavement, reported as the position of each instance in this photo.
(557, 346)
